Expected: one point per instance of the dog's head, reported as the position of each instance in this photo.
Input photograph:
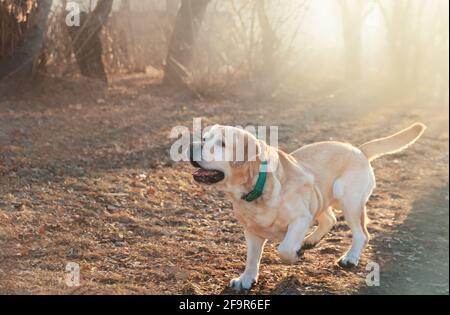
(228, 157)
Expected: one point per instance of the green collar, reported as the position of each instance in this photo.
(259, 186)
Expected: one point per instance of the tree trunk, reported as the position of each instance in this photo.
(400, 29)
(127, 35)
(86, 40)
(21, 63)
(270, 43)
(180, 52)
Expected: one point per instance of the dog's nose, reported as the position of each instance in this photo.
(195, 147)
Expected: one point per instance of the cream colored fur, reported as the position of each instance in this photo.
(303, 187)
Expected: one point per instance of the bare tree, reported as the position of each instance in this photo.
(180, 52)
(403, 32)
(127, 34)
(22, 61)
(353, 14)
(87, 43)
(270, 44)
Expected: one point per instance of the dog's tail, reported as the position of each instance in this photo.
(394, 143)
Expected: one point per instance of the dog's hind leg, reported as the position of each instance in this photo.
(352, 192)
(326, 220)
(355, 214)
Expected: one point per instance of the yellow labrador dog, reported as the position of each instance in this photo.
(278, 196)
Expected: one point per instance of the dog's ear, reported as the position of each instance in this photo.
(246, 149)
(270, 155)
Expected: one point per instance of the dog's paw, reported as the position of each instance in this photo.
(348, 261)
(289, 255)
(244, 282)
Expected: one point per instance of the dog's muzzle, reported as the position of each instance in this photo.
(203, 175)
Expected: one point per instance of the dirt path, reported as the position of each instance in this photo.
(418, 253)
(86, 178)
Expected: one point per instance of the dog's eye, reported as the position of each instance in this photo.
(206, 137)
(221, 143)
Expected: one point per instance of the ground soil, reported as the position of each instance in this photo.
(86, 177)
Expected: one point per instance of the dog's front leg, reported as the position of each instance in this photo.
(255, 245)
(289, 249)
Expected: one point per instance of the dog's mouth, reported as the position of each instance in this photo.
(209, 177)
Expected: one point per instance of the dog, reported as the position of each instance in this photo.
(278, 196)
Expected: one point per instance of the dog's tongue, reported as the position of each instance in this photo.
(203, 172)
